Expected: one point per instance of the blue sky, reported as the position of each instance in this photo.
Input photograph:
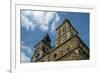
(35, 25)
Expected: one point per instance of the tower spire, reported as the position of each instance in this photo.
(47, 39)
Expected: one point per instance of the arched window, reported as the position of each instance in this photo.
(68, 34)
(77, 51)
(55, 55)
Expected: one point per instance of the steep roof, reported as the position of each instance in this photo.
(64, 21)
(45, 39)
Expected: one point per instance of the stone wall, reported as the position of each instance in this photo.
(68, 46)
(69, 50)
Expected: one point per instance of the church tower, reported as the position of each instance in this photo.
(69, 46)
(69, 43)
(64, 32)
(42, 48)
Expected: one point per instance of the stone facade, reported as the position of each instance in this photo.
(69, 46)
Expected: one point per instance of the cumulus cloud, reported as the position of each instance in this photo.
(24, 58)
(54, 24)
(38, 19)
(31, 20)
(49, 16)
(26, 48)
(25, 20)
(26, 53)
(53, 27)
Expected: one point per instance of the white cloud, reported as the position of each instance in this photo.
(49, 16)
(25, 51)
(54, 23)
(28, 49)
(44, 27)
(40, 19)
(53, 27)
(57, 17)
(24, 58)
(26, 23)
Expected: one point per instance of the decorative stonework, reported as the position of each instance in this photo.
(69, 46)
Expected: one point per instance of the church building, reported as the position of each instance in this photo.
(69, 46)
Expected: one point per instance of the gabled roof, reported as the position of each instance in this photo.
(64, 21)
(44, 39)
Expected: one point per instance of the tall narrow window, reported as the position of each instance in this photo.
(55, 55)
